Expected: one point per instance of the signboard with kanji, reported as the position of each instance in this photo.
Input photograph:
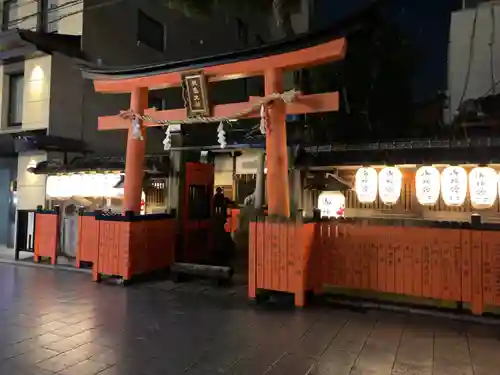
(195, 89)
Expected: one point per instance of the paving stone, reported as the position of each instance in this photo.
(37, 355)
(60, 322)
(407, 368)
(87, 367)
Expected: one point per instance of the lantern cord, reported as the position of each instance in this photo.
(287, 97)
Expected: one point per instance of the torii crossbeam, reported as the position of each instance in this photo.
(270, 61)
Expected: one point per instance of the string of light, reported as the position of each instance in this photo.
(287, 97)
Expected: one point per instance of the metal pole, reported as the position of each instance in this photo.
(260, 181)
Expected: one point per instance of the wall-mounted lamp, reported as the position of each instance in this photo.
(31, 164)
(37, 73)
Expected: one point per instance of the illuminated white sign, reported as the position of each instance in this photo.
(428, 185)
(366, 185)
(454, 186)
(83, 185)
(390, 181)
(331, 204)
(483, 187)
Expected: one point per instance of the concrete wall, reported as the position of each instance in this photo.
(66, 99)
(24, 16)
(110, 33)
(4, 98)
(108, 39)
(65, 17)
(36, 94)
(223, 170)
(30, 187)
(37, 80)
(466, 81)
(68, 17)
(95, 105)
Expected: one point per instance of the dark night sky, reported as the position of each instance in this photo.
(426, 23)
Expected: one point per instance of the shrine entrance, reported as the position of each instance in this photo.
(197, 214)
(195, 76)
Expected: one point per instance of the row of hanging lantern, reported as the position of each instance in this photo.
(451, 184)
(84, 185)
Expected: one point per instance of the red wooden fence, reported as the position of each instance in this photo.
(128, 248)
(46, 236)
(88, 239)
(280, 256)
(121, 246)
(459, 265)
(444, 264)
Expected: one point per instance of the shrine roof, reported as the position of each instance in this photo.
(18, 45)
(308, 40)
(477, 150)
(17, 141)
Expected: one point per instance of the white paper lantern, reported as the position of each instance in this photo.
(331, 204)
(390, 180)
(87, 188)
(428, 185)
(110, 181)
(454, 186)
(75, 185)
(366, 185)
(65, 188)
(51, 188)
(483, 185)
(98, 185)
(58, 187)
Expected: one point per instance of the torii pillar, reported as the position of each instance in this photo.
(135, 157)
(278, 192)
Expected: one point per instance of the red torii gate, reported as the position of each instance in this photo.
(138, 81)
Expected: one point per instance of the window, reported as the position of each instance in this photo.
(156, 102)
(9, 13)
(150, 32)
(242, 30)
(16, 89)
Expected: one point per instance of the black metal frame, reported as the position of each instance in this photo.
(22, 237)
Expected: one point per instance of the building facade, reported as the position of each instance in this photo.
(43, 95)
(473, 59)
(38, 43)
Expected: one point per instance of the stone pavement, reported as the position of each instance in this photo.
(55, 322)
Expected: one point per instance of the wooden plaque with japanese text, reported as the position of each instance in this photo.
(196, 94)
